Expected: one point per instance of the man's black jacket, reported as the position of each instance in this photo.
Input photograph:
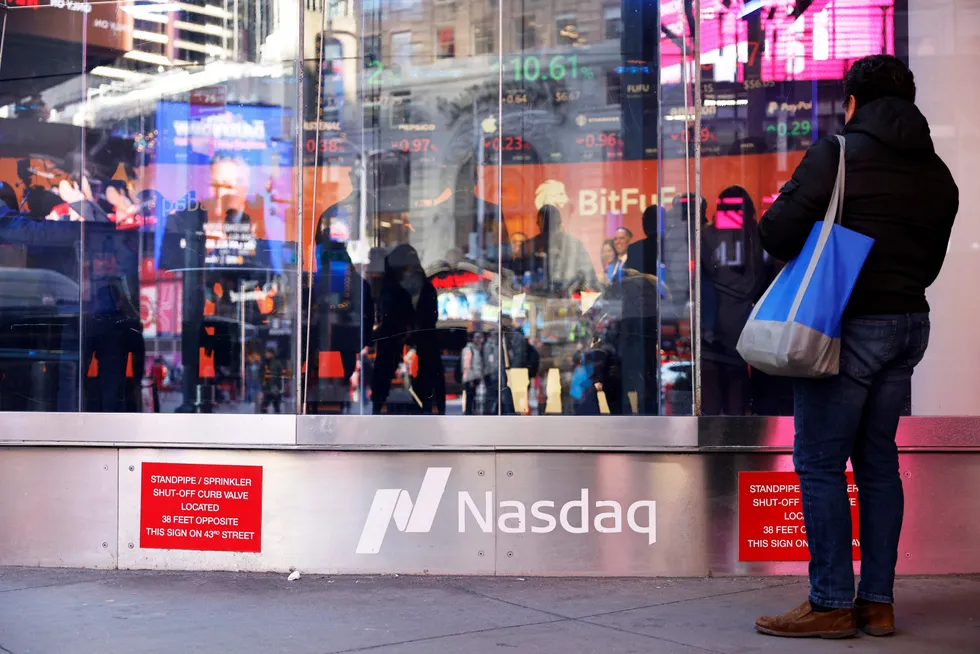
(897, 191)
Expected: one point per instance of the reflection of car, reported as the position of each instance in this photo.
(36, 307)
(28, 287)
(677, 387)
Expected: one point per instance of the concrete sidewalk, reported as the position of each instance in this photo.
(86, 612)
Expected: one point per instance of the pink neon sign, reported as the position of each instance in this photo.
(820, 44)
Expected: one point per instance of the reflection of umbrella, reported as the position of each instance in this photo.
(635, 296)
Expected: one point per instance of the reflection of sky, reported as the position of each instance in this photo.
(818, 45)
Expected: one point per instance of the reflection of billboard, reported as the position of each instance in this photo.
(107, 24)
(235, 163)
(193, 133)
(819, 44)
(596, 199)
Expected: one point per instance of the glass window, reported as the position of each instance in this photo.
(771, 88)
(483, 39)
(526, 33)
(401, 48)
(372, 49)
(445, 42)
(473, 240)
(401, 299)
(613, 20)
(566, 29)
(148, 227)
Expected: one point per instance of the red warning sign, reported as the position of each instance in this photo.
(770, 517)
(190, 506)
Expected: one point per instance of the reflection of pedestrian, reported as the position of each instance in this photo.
(159, 374)
(621, 242)
(473, 370)
(733, 266)
(581, 380)
(341, 319)
(642, 256)
(561, 263)
(408, 312)
(272, 382)
(366, 373)
(253, 377)
(607, 258)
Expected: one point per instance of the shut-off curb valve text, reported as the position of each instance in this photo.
(574, 517)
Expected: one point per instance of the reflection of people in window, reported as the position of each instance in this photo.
(608, 258)
(561, 262)
(408, 312)
(341, 320)
(519, 259)
(621, 242)
(230, 179)
(642, 256)
(518, 241)
(733, 266)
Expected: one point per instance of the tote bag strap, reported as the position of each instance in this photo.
(835, 209)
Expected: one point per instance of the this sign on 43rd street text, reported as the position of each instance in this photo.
(189, 506)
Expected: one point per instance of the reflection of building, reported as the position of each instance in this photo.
(166, 35)
(423, 32)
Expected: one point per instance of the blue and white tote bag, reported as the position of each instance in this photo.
(794, 330)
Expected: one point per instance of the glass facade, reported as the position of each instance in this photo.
(480, 207)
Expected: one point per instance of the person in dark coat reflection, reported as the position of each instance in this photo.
(408, 312)
(642, 256)
(732, 262)
(341, 320)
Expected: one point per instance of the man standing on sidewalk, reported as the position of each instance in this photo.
(899, 192)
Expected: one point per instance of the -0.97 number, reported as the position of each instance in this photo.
(414, 145)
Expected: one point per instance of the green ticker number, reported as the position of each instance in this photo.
(529, 68)
(791, 128)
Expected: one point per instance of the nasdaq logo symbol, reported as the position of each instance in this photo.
(396, 505)
(581, 515)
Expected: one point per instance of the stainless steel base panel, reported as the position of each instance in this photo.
(504, 513)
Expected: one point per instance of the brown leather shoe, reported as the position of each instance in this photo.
(876, 619)
(804, 622)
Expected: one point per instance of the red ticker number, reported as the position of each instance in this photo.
(509, 144)
(326, 145)
(414, 145)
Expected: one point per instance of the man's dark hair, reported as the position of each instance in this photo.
(549, 218)
(651, 221)
(879, 76)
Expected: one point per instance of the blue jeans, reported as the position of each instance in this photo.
(854, 415)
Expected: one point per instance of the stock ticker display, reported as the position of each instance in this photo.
(771, 83)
